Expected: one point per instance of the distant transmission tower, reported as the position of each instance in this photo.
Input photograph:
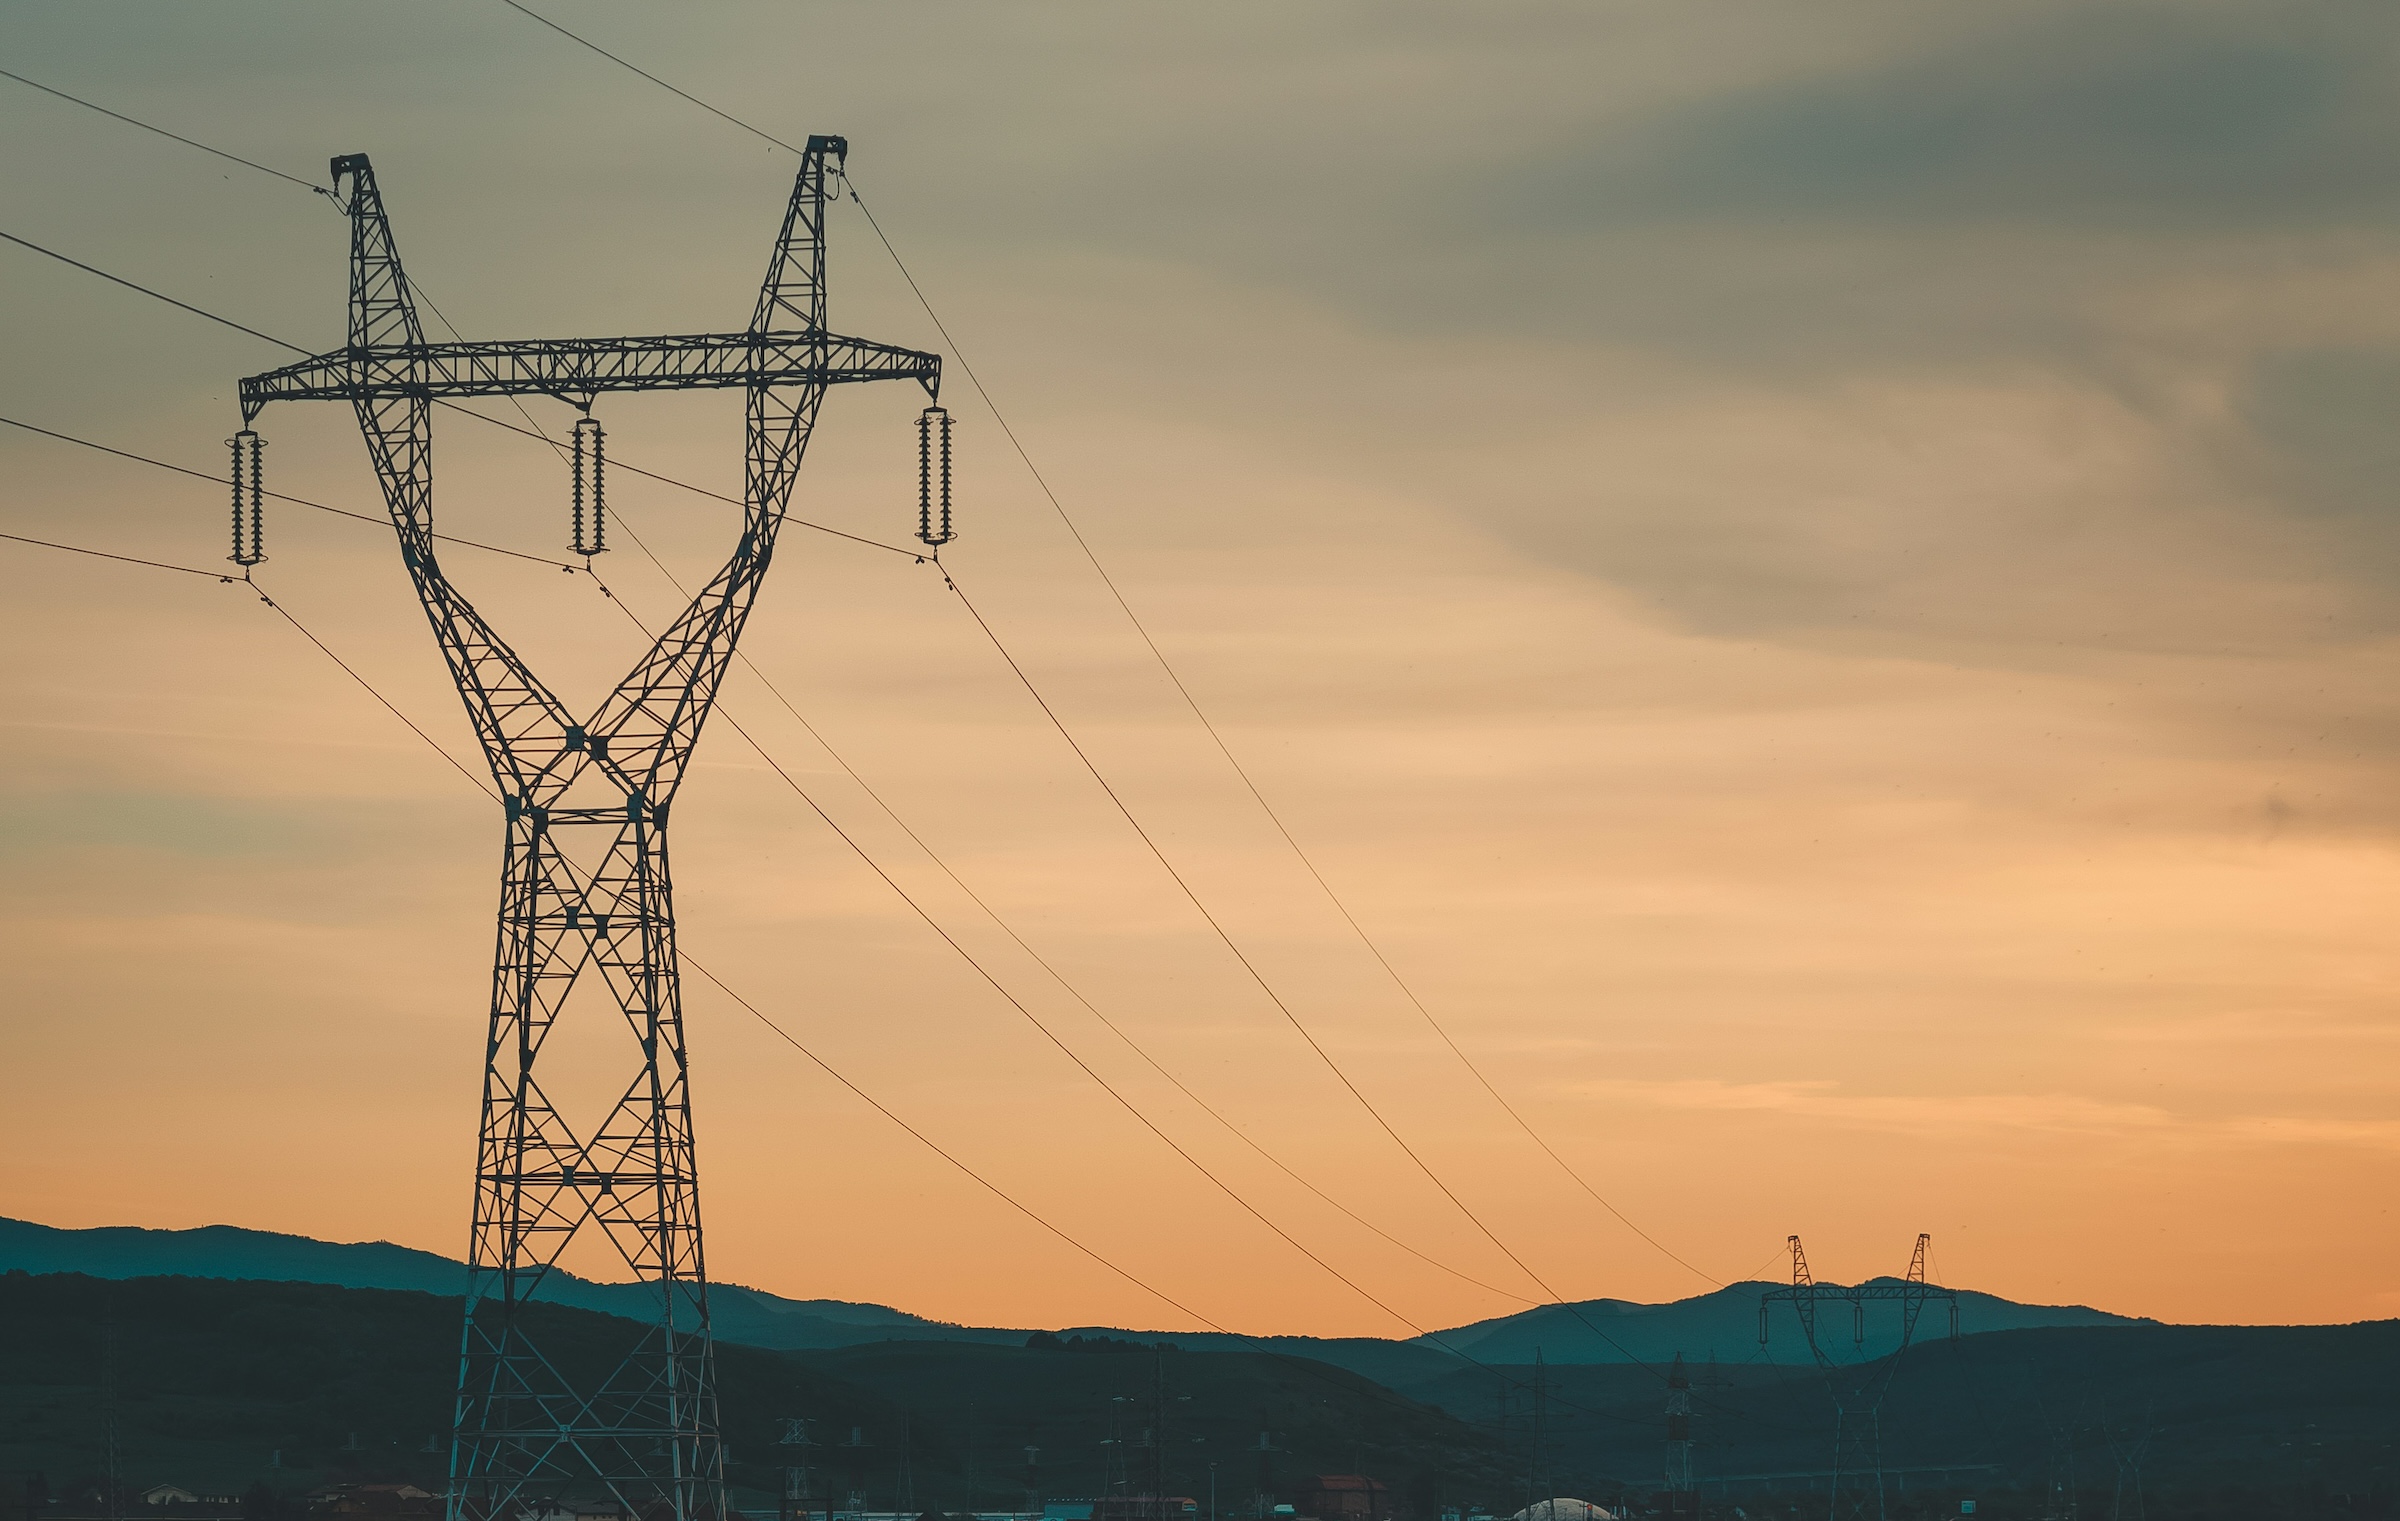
(1679, 1501)
(1857, 1388)
(585, 894)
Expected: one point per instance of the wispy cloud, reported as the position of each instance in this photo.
(1965, 1117)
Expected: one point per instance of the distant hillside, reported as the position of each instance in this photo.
(218, 1380)
(1725, 1324)
(227, 1251)
(2200, 1422)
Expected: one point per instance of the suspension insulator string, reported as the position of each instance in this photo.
(947, 535)
(249, 499)
(591, 465)
(925, 476)
(599, 490)
(926, 426)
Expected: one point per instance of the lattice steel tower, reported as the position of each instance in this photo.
(584, 887)
(1857, 1387)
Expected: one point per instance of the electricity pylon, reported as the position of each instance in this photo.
(1679, 1501)
(585, 891)
(1857, 1387)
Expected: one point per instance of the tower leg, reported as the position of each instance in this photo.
(638, 1434)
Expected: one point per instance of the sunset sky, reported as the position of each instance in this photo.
(1823, 579)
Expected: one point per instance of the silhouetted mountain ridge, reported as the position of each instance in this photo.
(1724, 1321)
(214, 1383)
(752, 1316)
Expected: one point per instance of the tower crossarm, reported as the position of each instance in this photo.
(578, 369)
(1867, 1291)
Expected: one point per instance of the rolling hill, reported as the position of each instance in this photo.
(219, 1381)
(1724, 1321)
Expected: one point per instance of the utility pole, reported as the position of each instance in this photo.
(585, 900)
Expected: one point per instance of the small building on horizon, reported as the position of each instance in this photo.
(1345, 1497)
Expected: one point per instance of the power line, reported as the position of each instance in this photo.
(260, 592)
(1030, 1017)
(197, 311)
(102, 554)
(1015, 443)
(163, 132)
(1014, 1002)
(1325, 1056)
(1046, 966)
(1094, 1010)
(646, 74)
(1005, 927)
(1430, 1337)
(1053, 972)
(1067, 519)
(147, 291)
(419, 290)
(355, 676)
(352, 672)
(339, 512)
(1305, 1365)
(1284, 1008)
(1159, 655)
(876, 1104)
(1308, 1366)
(1225, 750)
(497, 422)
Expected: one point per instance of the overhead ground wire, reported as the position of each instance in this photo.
(163, 132)
(646, 74)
